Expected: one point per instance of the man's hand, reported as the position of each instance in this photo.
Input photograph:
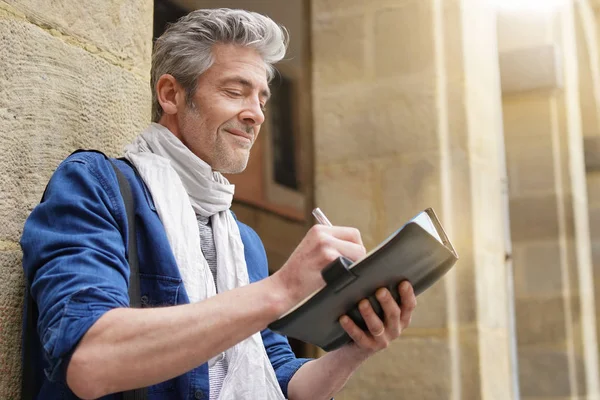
(381, 333)
(301, 274)
(327, 375)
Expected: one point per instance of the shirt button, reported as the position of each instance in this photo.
(198, 395)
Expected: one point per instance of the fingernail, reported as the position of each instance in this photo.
(364, 305)
(344, 320)
(382, 294)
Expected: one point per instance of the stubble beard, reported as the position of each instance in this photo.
(225, 156)
(227, 159)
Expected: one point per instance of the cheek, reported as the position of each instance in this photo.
(199, 125)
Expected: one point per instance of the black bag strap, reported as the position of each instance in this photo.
(30, 385)
(30, 382)
(132, 256)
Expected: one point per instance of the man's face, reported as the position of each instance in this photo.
(227, 110)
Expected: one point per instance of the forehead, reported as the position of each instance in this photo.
(231, 60)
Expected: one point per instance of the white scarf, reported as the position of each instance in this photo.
(182, 185)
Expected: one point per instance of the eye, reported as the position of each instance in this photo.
(263, 107)
(233, 93)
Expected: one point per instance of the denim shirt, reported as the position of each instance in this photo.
(74, 259)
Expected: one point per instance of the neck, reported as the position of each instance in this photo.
(170, 122)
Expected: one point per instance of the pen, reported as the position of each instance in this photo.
(321, 217)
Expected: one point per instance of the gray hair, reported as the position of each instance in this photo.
(185, 49)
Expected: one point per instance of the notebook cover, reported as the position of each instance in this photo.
(411, 254)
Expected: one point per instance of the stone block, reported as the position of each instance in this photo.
(409, 185)
(349, 195)
(495, 370)
(534, 218)
(589, 117)
(121, 28)
(338, 51)
(518, 29)
(492, 297)
(534, 260)
(595, 246)
(580, 347)
(591, 147)
(384, 121)
(594, 221)
(530, 165)
(54, 99)
(411, 368)
(488, 219)
(414, 54)
(544, 373)
(11, 313)
(528, 69)
(593, 189)
(484, 363)
(465, 289)
(541, 321)
(432, 310)
(526, 116)
(331, 8)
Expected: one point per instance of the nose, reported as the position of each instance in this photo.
(253, 114)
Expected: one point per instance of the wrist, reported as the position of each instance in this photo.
(354, 354)
(278, 298)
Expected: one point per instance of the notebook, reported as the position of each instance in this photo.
(419, 252)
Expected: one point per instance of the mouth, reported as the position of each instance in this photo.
(242, 134)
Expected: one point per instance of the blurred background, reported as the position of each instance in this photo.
(486, 110)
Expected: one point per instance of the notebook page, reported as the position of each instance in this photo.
(424, 222)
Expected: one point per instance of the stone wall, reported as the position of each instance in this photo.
(555, 310)
(72, 75)
(408, 116)
(589, 77)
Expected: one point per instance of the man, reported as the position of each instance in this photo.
(203, 274)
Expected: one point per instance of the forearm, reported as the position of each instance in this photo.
(130, 348)
(327, 375)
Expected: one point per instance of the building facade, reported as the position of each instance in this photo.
(486, 110)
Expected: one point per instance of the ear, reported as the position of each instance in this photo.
(169, 94)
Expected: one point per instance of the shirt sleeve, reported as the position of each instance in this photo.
(74, 256)
(282, 358)
(278, 349)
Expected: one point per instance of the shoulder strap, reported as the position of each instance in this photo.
(132, 257)
(30, 383)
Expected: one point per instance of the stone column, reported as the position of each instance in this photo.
(588, 47)
(72, 75)
(407, 113)
(557, 348)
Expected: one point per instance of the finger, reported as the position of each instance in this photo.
(356, 334)
(374, 323)
(342, 232)
(408, 302)
(391, 310)
(351, 250)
